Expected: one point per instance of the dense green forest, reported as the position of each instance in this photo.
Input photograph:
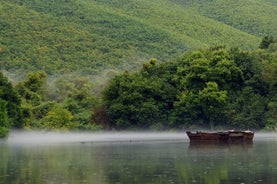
(210, 64)
(88, 36)
(212, 88)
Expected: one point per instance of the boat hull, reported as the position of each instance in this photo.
(222, 137)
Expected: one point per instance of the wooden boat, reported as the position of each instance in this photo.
(230, 136)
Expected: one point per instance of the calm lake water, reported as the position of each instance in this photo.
(154, 158)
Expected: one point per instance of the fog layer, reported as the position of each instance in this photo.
(43, 137)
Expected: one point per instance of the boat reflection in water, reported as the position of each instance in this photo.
(227, 137)
(210, 146)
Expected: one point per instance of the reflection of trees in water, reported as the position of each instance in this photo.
(49, 164)
(233, 163)
(210, 164)
(163, 164)
(142, 163)
(139, 162)
(211, 146)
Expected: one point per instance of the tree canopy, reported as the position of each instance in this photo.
(10, 107)
(212, 88)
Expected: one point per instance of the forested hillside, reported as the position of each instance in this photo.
(249, 16)
(87, 36)
(172, 64)
(213, 88)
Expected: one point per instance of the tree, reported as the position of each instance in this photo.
(139, 100)
(100, 117)
(13, 102)
(33, 88)
(213, 102)
(248, 110)
(81, 104)
(187, 110)
(266, 41)
(213, 87)
(78, 98)
(57, 118)
(204, 77)
(32, 91)
(4, 122)
(127, 103)
(212, 65)
(271, 114)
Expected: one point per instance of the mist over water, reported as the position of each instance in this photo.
(48, 137)
(133, 157)
(44, 137)
(263, 136)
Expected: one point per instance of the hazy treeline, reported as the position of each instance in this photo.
(213, 88)
(35, 104)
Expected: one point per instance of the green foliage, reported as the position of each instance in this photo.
(81, 105)
(87, 36)
(76, 95)
(36, 81)
(271, 114)
(215, 64)
(187, 110)
(4, 122)
(252, 17)
(139, 100)
(57, 118)
(212, 87)
(32, 92)
(213, 102)
(125, 102)
(99, 38)
(216, 87)
(267, 40)
(10, 107)
(273, 48)
(70, 102)
(33, 88)
(248, 110)
(4, 131)
(13, 102)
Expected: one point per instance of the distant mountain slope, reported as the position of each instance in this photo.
(258, 18)
(86, 36)
(183, 24)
